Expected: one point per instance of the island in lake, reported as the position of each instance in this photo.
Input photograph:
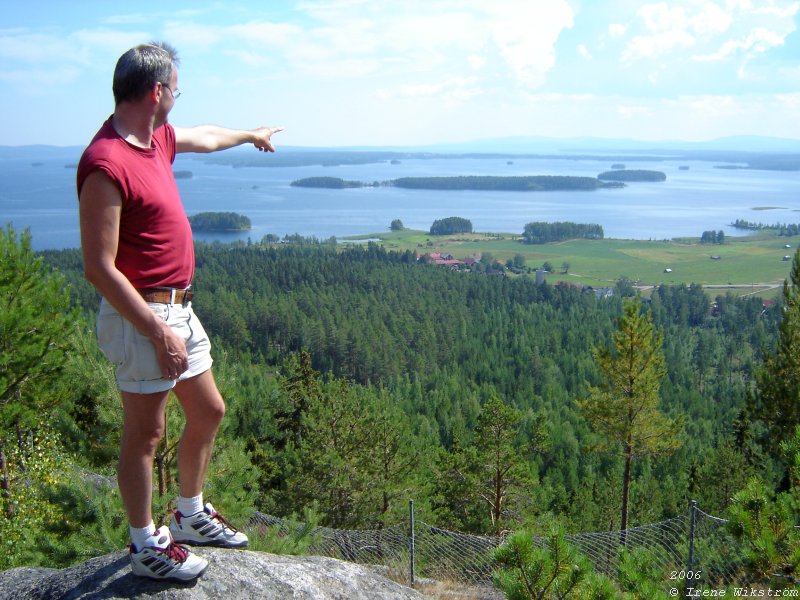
(632, 175)
(219, 221)
(334, 183)
(530, 183)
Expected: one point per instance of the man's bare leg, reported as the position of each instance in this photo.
(204, 408)
(143, 427)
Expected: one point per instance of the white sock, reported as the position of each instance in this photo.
(139, 535)
(190, 506)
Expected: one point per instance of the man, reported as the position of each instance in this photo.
(138, 253)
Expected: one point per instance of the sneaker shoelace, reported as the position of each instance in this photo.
(224, 523)
(175, 552)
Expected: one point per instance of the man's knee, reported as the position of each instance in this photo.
(207, 416)
(201, 400)
(216, 410)
(144, 436)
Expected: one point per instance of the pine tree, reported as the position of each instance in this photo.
(35, 325)
(722, 472)
(765, 524)
(499, 466)
(35, 335)
(527, 571)
(777, 399)
(303, 388)
(624, 409)
(452, 493)
(393, 452)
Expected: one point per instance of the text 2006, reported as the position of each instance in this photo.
(680, 575)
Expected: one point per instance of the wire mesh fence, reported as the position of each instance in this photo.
(695, 541)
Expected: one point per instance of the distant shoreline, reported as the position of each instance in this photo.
(518, 183)
(688, 203)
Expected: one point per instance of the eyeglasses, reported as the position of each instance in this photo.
(176, 93)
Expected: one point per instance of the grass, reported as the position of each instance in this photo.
(751, 264)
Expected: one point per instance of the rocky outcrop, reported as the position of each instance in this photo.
(231, 575)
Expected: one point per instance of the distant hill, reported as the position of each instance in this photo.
(749, 150)
(741, 143)
(510, 145)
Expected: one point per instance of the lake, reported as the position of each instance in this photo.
(37, 190)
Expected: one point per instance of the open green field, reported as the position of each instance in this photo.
(746, 264)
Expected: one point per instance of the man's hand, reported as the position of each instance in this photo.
(263, 134)
(171, 353)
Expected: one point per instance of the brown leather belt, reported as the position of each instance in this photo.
(167, 295)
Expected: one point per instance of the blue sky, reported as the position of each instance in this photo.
(376, 73)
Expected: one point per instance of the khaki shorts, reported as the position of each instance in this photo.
(138, 371)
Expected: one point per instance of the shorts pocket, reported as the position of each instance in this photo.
(141, 363)
(110, 337)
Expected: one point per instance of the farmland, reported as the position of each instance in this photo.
(744, 265)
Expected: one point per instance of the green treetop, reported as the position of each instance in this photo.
(624, 409)
(778, 390)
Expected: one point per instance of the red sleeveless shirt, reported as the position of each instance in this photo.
(155, 238)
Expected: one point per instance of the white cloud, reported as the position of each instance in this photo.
(418, 36)
(24, 47)
(789, 101)
(424, 32)
(738, 4)
(423, 69)
(632, 111)
(714, 31)
(655, 46)
(616, 30)
(710, 106)
(757, 41)
(185, 35)
(96, 46)
(48, 60)
(525, 34)
(476, 62)
(710, 20)
(408, 44)
(667, 28)
(660, 18)
(554, 100)
(452, 90)
(263, 34)
(782, 12)
(248, 58)
(145, 18)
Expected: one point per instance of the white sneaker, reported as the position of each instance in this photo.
(162, 558)
(206, 528)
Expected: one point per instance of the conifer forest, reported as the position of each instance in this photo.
(357, 379)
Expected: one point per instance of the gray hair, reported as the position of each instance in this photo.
(140, 68)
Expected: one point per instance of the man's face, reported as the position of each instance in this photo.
(167, 100)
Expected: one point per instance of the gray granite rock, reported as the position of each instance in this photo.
(232, 574)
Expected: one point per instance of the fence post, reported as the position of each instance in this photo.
(411, 537)
(692, 521)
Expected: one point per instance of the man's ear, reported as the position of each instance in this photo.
(156, 91)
